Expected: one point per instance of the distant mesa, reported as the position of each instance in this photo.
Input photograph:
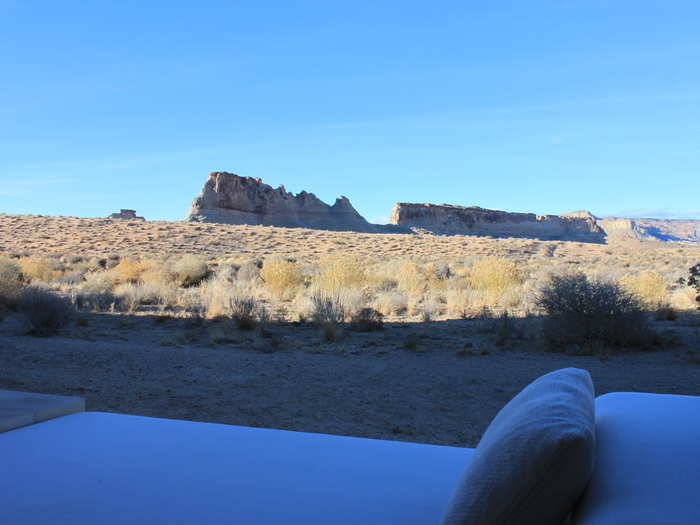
(126, 214)
(232, 199)
(451, 219)
(668, 230)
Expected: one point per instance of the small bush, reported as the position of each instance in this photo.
(243, 312)
(144, 293)
(9, 270)
(327, 313)
(188, 270)
(98, 282)
(338, 273)
(650, 287)
(592, 315)
(37, 269)
(130, 270)
(412, 278)
(694, 281)
(11, 285)
(45, 311)
(281, 277)
(367, 320)
(494, 274)
(95, 301)
(249, 271)
(391, 302)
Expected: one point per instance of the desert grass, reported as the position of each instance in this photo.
(182, 268)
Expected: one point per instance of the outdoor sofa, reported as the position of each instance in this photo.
(102, 468)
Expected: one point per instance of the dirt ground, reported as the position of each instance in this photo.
(44, 235)
(440, 382)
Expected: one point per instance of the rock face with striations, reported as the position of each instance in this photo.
(447, 218)
(232, 199)
(666, 230)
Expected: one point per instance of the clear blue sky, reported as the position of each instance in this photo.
(543, 106)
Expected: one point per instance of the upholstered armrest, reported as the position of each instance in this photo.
(648, 461)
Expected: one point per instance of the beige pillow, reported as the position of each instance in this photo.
(534, 459)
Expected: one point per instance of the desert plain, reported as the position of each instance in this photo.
(155, 324)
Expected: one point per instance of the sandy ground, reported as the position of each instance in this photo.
(44, 235)
(443, 390)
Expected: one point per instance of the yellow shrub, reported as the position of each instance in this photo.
(281, 277)
(651, 287)
(131, 270)
(187, 270)
(9, 270)
(337, 273)
(494, 275)
(412, 278)
(38, 269)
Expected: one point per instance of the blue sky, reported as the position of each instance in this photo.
(542, 106)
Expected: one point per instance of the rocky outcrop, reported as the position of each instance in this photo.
(666, 230)
(126, 214)
(232, 199)
(446, 218)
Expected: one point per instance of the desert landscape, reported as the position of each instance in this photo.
(402, 334)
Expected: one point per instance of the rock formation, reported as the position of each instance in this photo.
(126, 214)
(446, 218)
(673, 230)
(232, 199)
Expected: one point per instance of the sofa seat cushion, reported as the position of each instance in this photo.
(115, 469)
(648, 467)
(534, 459)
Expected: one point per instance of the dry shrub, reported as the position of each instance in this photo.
(144, 293)
(389, 303)
(95, 301)
(98, 282)
(249, 271)
(327, 313)
(304, 307)
(45, 311)
(244, 312)
(429, 309)
(683, 299)
(9, 270)
(338, 273)
(281, 277)
(367, 320)
(412, 278)
(11, 285)
(188, 270)
(494, 275)
(131, 270)
(217, 292)
(649, 286)
(592, 315)
(192, 302)
(351, 299)
(37, 269)
(459, 302)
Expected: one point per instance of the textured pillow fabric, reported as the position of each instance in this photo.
(535, 458)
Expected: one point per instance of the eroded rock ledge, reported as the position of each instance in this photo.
(447, 218)
(232, 199)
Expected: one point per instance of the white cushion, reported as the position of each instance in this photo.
(648, 468)
(109, 469)
(534, 459)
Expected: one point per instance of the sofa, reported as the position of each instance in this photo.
(76, 467)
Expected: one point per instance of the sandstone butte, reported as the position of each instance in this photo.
(233, 199)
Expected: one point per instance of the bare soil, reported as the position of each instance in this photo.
(440, 382)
